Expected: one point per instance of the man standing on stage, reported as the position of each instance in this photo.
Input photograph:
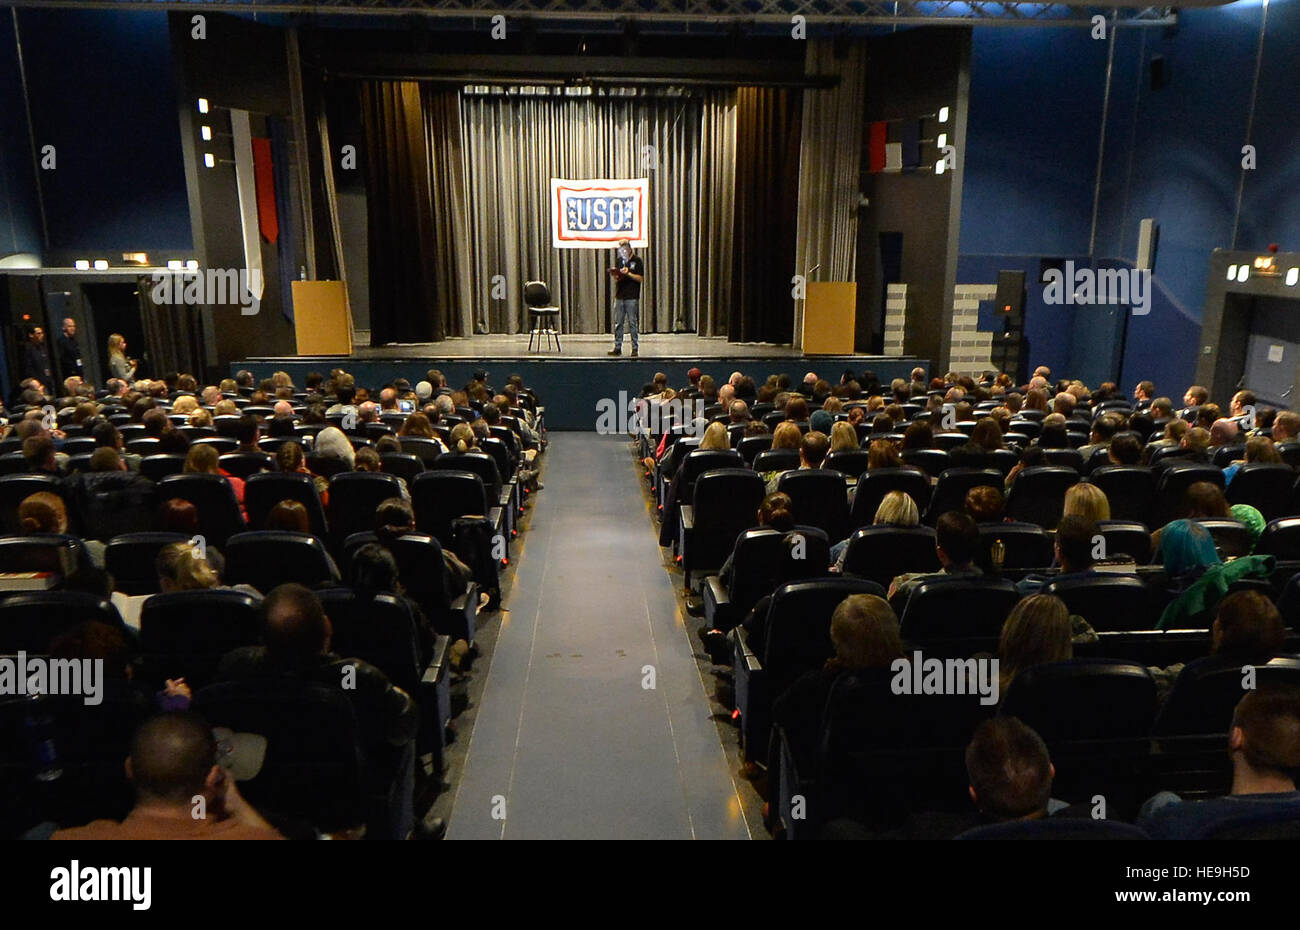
(68, 350)
(627, 275)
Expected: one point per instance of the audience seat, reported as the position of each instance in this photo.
(245, 464)
(441, 496)
(820, 499)
(14, 489)
(264, 490)
(184, 634)
(1226, 455)
(423, 574)
(776, 460)
(1126, 537)
(219, 513)
(931, 461)
(1266, 487)
(405, 465)
(874, 485)
(423, 448)
(881, 553)
(1172, 485)
(763, 559)
(1231, 537)
(1130, 490)
(327, 466)
(58, 553)
(850, 463)
(130, 559)
(1205, 694)
(950, 491)
(1110, 603)
(1038, 494)
(265, 559)
(957, 616)
(1057, 828)
(725, 503)
(750, 446)
(354, 498)
(157, 467)
(29, 622)
(1025, 545)
(1281, 538)
(798, 641)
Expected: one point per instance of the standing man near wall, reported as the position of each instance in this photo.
(69, 353)
(627, 275)
(36, 359)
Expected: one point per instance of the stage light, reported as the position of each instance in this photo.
(943, 114)
(206, 133)
(940, 166)
(203, 104)
(101, 264)
(1243, 272)
(1292, 276)
(209, 159)
(82, 265)
(175, 264)
(192, 264)
(1232, 272)
(942, 140)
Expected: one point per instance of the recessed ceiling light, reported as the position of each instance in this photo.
(101, 264)
(82, 265)
(203, 104)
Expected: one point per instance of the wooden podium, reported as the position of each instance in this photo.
(322, 319)
(829, 317)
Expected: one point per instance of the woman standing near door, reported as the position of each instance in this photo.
(119, 365)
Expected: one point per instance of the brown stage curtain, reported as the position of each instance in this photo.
(173, 333)
(403, 283)
(767, 199)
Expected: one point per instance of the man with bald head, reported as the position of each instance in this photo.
(182, 792)
(1286, 426)
(1223, 432)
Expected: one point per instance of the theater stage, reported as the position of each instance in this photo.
(582, 369)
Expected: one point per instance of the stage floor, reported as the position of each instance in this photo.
(574, 346)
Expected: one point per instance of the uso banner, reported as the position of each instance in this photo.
(596, 214)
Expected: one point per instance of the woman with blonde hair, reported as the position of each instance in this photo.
(463, 439)
(201, 419)
(185, 404)
(1036, 632)
(787, 435)
(180, 567)
(1087, 501)
(844, 438)
(716, 438)
(119, 365)
(897, 509)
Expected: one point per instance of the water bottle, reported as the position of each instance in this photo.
(38, 726)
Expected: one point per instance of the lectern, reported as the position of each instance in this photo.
(829, 317)
(322, 319)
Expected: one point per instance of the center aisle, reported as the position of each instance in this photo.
(568, 742)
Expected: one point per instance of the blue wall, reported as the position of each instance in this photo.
(20, 229)
(1172, 153)
(101, 91)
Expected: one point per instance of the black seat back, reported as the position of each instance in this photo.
(931, 461)
(799, 626)
(850, 462)
(1172, 485)
(820, 498)
(16, 488)
(267, 558)
(1038, 494)
(1110, 603)
(1130, 489)
(874, 485)
(441, 495)
(965, 609)
(954, 483)
(1126, 537)
(1024, 545)
(129, 558)
(158, 467)
(1281, 538)
(264, 490)
(881, 553)
(380, 630)
(184, 634)
(1206, 693)
(219, 513)
(354, 498)
(776, 460)
(30, 622)
(764, 559)
(1266, 487)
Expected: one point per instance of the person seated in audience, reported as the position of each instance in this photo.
(822, 421)
(985, 504)
(1073, 553)
(796, 410)
(956, 542)
(248, 432)
(1206, 500)
(787, 435)
(1038, 631)
(1197, 575)
(394, 519)
(844, 438)
(867, 640)
(1143, 395)
(109, 498)
(1207, 415)
(977, 451)
(1175, 430)
(1087, 501)
(1286, 426)
(1193, 447)
(1124, 449)
(917, 436)
(1264, 746)
(896, 509)
(812, 452)
(1259, 449)
(46, 513)
(296, 635)
(203, 459)
(201, 419)
(345, 395)
(1103, 432)
(1247, 630)
(174, 759)
(1031, 457)
(290, 459)
(331, 443)
(715, 439)
(39, 453)
(1223, 432)
(1242, 408)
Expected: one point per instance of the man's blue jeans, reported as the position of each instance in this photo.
(626, 311)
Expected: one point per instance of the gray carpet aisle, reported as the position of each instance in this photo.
(567, 742)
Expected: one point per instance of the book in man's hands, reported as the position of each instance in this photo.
(27, 581)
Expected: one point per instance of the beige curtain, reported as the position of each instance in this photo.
(451, 254)
(513, 144)
(829, 157)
